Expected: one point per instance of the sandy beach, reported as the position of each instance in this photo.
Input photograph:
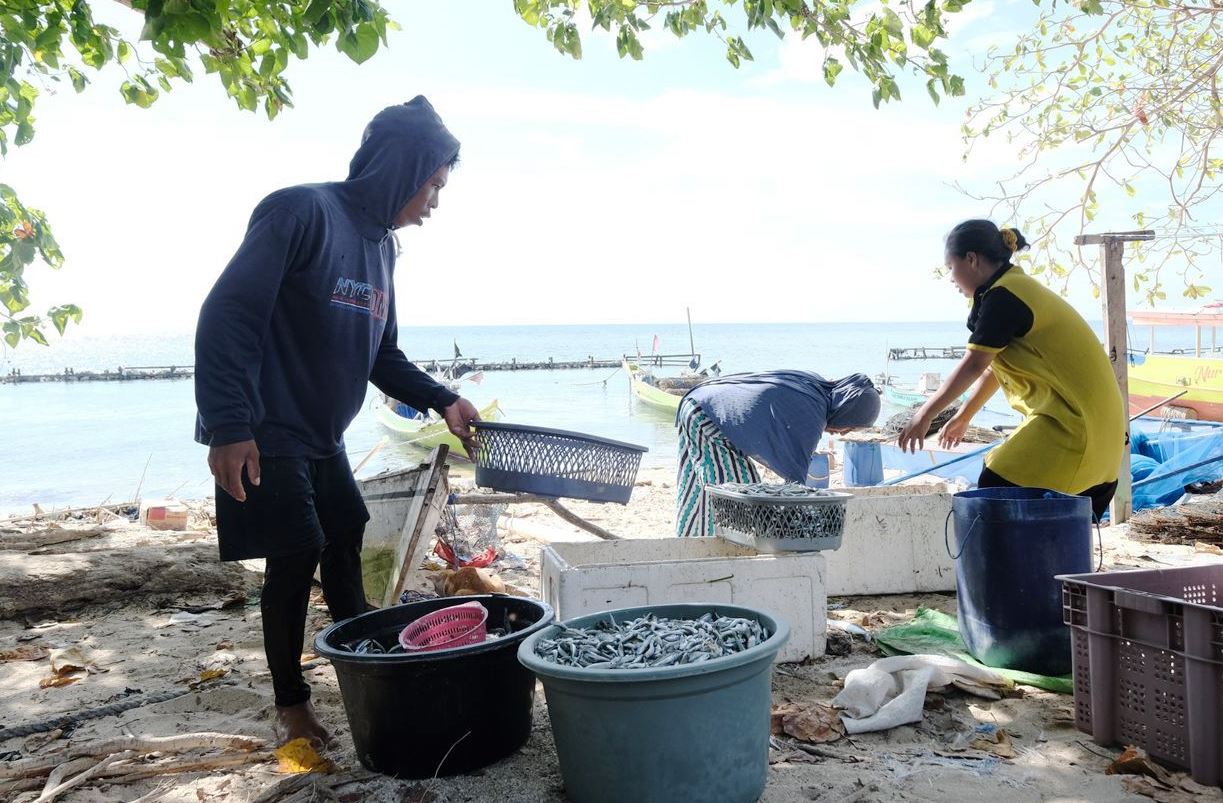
(142, 642)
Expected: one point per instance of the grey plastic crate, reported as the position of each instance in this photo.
(800, 523)
(1148, 662)
(554, 462)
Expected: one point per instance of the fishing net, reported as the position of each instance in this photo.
(467, 536)
(894, 425)
(674, 383)
(1178, 459)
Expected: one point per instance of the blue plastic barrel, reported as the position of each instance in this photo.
(817, 471)
(1009, 545)
(863, 464)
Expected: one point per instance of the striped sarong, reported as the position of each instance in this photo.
(706, 457)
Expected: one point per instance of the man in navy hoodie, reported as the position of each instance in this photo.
(298, 324)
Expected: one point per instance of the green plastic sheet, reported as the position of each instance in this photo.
(935, 633)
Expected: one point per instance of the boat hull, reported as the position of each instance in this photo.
(1159, 377)
(431, 434)
(907, 398)
(649, 395)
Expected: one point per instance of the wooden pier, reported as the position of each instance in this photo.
(147, 372)
(927, 353)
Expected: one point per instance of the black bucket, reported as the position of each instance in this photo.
(444, 712)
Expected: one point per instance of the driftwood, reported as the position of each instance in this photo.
(300, 788)
(50, 792)
(135, 745)
(37, 584)
(178, 765)
(562, 512)
(52, 536)
(170, 744)
(115, 760)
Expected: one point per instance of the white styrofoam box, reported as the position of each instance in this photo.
(893, 542)
(584, 577)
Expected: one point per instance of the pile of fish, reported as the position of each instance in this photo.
(786, 491)
(370, 646)
(650, 641)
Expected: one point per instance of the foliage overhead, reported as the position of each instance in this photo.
(249, 44)
(1113, 105)
(46, 45)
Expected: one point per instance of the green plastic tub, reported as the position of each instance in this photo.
(697, 733)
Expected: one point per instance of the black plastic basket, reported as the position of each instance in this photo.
(553, 462)
(806, 522)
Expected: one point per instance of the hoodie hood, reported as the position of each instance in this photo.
(401, 148)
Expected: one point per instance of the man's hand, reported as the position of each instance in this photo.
(226, 464)
(459, 416)
(913, 436)
(952, 433)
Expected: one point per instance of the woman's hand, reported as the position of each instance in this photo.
(913, 436)
(952, 433)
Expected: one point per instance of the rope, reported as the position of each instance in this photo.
(598, 381)
(73, 719)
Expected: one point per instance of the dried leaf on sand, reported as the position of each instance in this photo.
(998, 743)
(25, 652)
(299, 756)
(816, 724)
(55, 681)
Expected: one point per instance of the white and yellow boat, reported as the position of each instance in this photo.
(426, 432)
(661, 393)
(1154, 377)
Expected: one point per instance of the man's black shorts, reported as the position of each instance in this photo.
(296, 503)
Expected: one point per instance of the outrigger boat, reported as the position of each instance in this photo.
(425, 430)
(1155, 376)
(920, 393)
(662, 393)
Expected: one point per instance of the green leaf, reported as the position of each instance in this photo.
(832, 68)
(125, 52)
(25, 132)
(301, 48)
(316, 10)
(360, 43)
(892, 22)
(922, 36)
(78, 79)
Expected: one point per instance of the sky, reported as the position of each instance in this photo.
(600, 190)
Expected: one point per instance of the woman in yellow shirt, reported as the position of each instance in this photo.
(1029, 341)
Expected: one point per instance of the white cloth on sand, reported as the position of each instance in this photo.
(892, 691)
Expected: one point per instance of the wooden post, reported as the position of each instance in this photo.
(1118, 354)
(1113, 286)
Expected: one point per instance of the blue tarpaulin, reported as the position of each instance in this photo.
(1170, 456)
